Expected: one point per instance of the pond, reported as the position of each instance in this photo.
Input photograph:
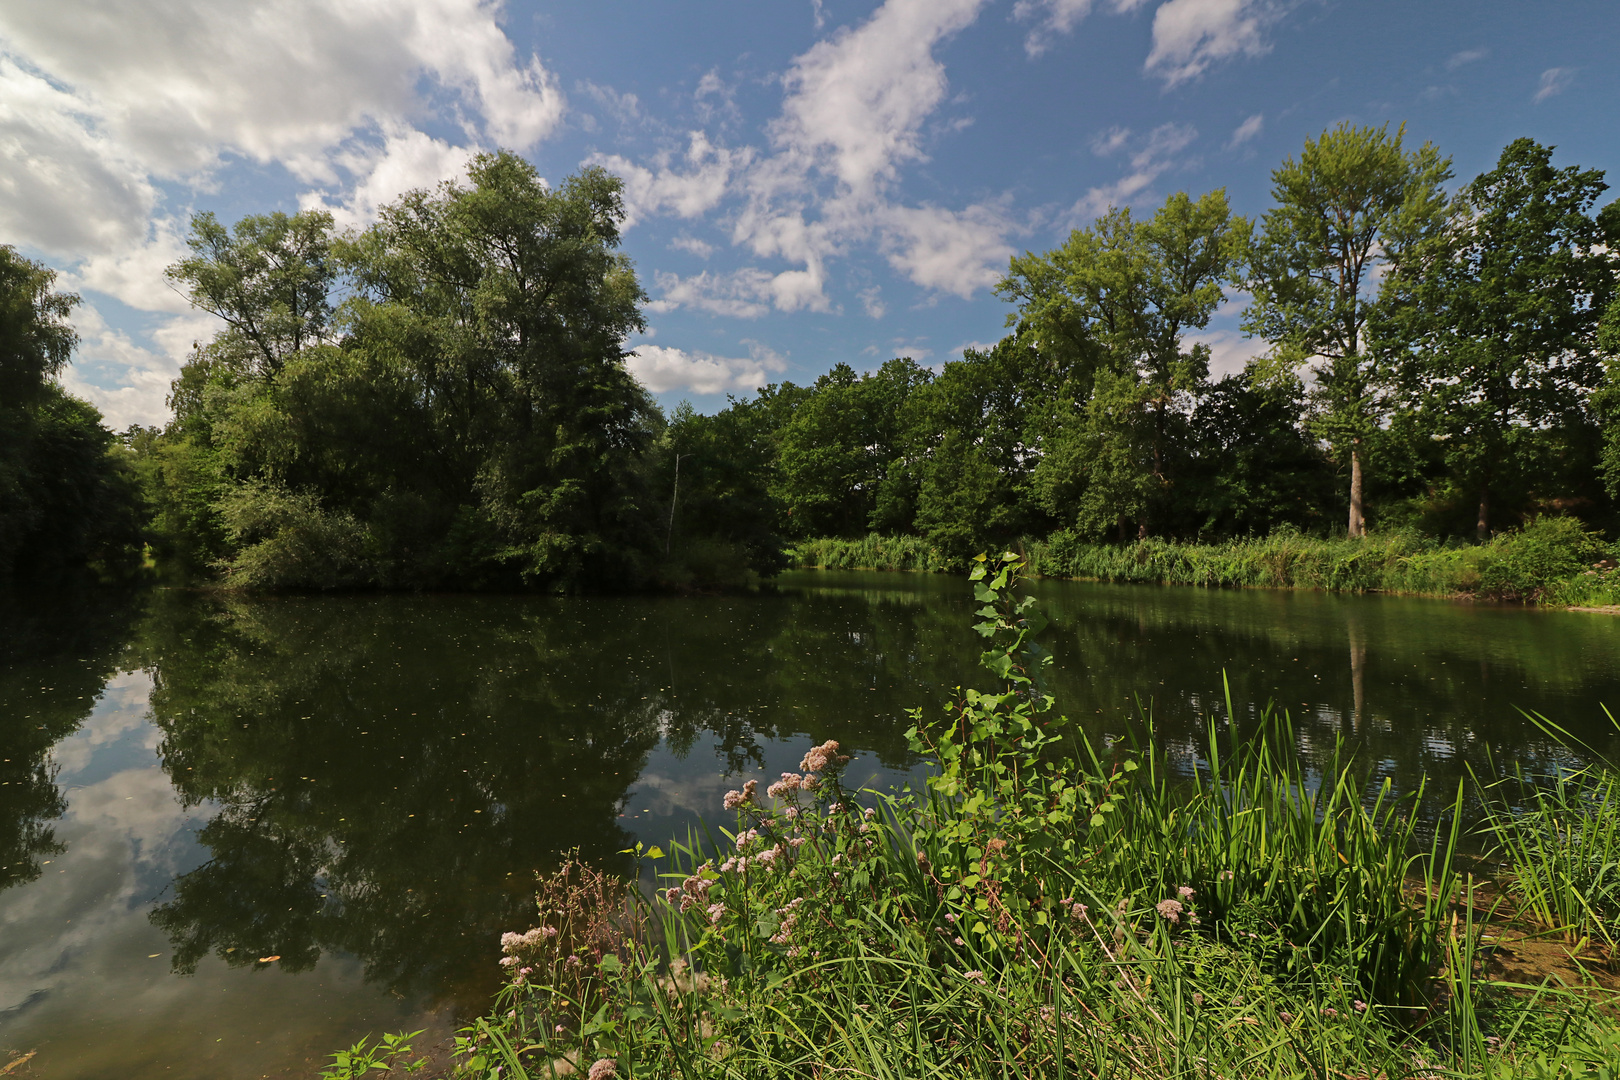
(238, 834)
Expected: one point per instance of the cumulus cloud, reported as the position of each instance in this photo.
(1150, 156)
(1249, 129)
(1466, 56)
(662, 369)
(1059, 17)
(1190, 35)
(405, 160)
(946, 250)
(1554, 81)
(666, 188)
(127, 381)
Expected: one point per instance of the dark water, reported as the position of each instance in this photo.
(363, 786)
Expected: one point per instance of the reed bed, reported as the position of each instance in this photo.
(1553, 560)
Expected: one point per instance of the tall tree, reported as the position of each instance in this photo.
(1495, 320)
(270, 279)
(1352, 202)
(1116, 301)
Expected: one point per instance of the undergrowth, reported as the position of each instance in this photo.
(1046, 906)
(1553, 560)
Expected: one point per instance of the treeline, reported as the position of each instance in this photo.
(440, 401)
(1433, 364)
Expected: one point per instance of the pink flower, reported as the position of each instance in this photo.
(974, 976)
(603, 1069)
(1169, 910)
(1359, 1005)
(733, 799)
(1185, 892)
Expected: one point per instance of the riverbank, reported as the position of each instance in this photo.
(1052, 906)
(1553, 561)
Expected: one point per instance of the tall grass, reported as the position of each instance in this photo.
(1044, 907)
(1553, 560)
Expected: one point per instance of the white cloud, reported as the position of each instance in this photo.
(663, 189)
(662, 369)
(406, 159)
(1190, 35)
(126, 381)
(872, 302)
(946, 250)
(1151, 156)
(1249, 129)
(1467, 56)
(692, 245)
(1059, 17)
(1554, 81)
(857, 100)
(741, 294)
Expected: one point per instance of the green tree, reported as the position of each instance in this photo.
(68, 500)
(1114, 304)
(270, 279)
(1495, 323)
(1353, 202)
(839, 448)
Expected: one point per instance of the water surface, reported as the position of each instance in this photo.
(362, 787)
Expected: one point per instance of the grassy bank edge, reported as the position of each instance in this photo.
(1553, 561)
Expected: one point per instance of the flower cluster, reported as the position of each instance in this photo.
(1172, 910)
(693, 892)
(736, 800)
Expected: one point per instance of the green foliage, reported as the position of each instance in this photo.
(1353, 200)
(1495, 320)
(389, 1053)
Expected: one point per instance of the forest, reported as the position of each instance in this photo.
(441, 400)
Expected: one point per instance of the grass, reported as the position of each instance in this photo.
(1553, 561)
(1050, 907)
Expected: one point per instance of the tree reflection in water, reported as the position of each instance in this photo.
(56, 654)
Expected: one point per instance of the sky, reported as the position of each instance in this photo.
(808, 182)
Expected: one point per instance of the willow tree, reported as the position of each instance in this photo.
(1353, 202)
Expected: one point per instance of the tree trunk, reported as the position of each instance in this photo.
(1483, 525)
(1358, 521)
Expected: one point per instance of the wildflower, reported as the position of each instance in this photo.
(950, 916)
(1169, 910)
(508, 961)
(796, 841)
(959, 941)
(869, 813)
(526, 971)
(733, 799)
(575, 961)
(1186, 893)
(549, 931)
(1286, 1017)
(559, 1029)
(1330, 1012)
(791, 812)
(822, 756)
(1359, 1005)
(786, 786)
(974, 976)
(746, 837)
(603, 1069)
(715, 912)
(1227, 875)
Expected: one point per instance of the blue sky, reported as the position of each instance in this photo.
(810, 181)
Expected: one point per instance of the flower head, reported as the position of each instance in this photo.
(1169, 910)
(1185, 892)
(603, 1069)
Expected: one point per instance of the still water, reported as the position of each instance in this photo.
(237, 834)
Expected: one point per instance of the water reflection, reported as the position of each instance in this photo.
(56, 654)
(363, 786)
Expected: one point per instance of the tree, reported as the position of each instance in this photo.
(840, 446)
(68, 501)
(1353, 202)
(1494, 321)
(269, 278)
(1115, 301)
